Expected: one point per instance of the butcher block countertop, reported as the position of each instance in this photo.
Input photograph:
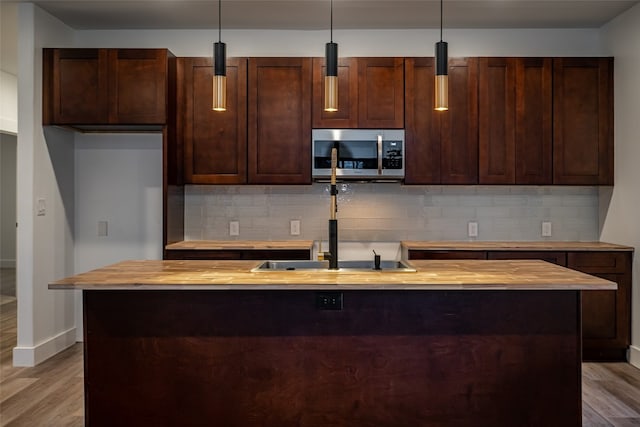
(240, 244)
(237, 275)
(512, 246)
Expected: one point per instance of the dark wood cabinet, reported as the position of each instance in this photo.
(279, 111)
(533, 115)
(583, 121)
(606, 315)
(370, 94)
(554, 257)
(215, 142)
(106, 86)
(442, 147)
(515, 121)
(496, 121)
(239, 254)
(422, 123)
(347, 115)
(381, 93)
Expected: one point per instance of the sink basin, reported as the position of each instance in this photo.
(345, 266)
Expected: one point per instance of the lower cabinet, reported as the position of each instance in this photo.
(240, 254)
(606, 315)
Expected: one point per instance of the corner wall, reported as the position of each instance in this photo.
(620, 208)
(45, 171)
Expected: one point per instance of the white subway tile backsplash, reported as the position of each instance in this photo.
(392, 212)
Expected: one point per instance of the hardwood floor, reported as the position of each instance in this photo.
(51, 394)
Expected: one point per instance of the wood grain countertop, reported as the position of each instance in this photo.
(237, 275)
(240, 244)
(512, 246)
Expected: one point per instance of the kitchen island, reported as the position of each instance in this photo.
(457, 343)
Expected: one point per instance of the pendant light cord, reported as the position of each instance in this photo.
(219, 20)
(331, 30)
(441, 19)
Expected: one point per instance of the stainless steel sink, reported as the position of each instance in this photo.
(345, 266)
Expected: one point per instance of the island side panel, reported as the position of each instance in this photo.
(388, 358)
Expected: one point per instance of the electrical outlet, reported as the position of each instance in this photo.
(234, 228)
(103, 228)
(546, 228)
(294, 225)
(329, 300)
(472, 229)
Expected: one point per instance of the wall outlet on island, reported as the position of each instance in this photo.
(234, 228)
(294, 225)
(546, 228)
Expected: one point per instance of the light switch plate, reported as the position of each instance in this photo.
(546, 228)
(234, 228)
(295, 227)
(41, 208)
(472, 229)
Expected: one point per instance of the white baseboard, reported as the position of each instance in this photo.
(31, 356)
(634, 356)
(7, 263)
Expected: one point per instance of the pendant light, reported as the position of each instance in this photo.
(442, 79)
(331, 78)
(219, 68)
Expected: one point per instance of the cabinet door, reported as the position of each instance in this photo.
(215, 142)
(497, 137)
(422, 123)
(138, 86)
(75, 86)
(606, 315)
(583, 121)
(279, 120)
(347, 115)
(381, 93)
(559, 258)
(533, 115)
(459, 125)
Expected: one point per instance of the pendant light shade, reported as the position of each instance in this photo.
(442, 78)
(219, 69)
(331, 78)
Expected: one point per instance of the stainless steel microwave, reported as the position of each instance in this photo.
(363, 154)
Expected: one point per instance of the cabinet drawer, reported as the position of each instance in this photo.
(559, 258)
(420, 254)
(598, 262)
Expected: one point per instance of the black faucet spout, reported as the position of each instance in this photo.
(333, 244)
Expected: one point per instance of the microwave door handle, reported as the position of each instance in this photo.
(379, 154)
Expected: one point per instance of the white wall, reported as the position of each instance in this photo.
(118, 179)
(480, 42)
(44, 171)
(621, 208)
(8, 103)
(8, 146)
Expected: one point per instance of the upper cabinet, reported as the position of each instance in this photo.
(583, 121)
(441, 147)
(515, 121)
(279, 130)
(215, 142)
(347, 115)
(370, 91)
(106, 86)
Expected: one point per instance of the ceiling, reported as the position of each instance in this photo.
(311, 15)
(314, 14)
